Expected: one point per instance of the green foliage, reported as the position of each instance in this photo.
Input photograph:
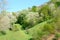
(16, 27)
(53, 1)
(49, 28)
(57, 35)
(14, 14)
(57, 4)
(45, 11)
(37, 31)
(42, 30)
(2, 33)
(26, 21)
(20, 19)
(34, 8)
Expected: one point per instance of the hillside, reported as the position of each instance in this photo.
(35, 23)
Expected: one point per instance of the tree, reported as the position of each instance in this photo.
(45, 11)
(4, 23)
(28, 19)
(34, 8)
(4, 19)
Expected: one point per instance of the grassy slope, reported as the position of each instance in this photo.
(19, 35)
(37, 27)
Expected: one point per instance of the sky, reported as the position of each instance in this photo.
(18, 5)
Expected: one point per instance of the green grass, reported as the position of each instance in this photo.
(15, 35)
(37, 32)
(11, 35)
(36, 28)
(39, 26)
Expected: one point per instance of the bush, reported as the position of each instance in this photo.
(16, 27)
(57, 35)
(57, 4)
(20, 19)
(2, 33)
(49, 28)
(45, 10)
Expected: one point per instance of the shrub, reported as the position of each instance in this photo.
(49, 28)
(57, 35)
(16, 27)
(2, 33)
(57, 4)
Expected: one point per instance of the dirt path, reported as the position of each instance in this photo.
(51, 37)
